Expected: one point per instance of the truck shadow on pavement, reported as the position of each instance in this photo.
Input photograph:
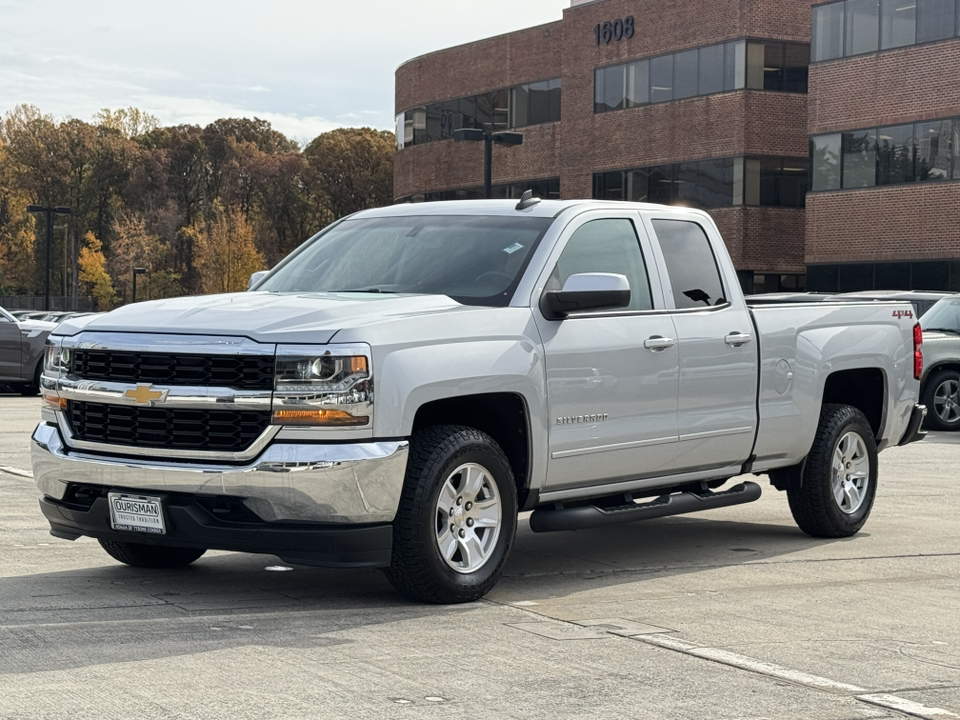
(108, 613)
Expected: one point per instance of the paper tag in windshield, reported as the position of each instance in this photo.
(513, 248)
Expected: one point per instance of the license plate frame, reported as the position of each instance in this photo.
(137, 513)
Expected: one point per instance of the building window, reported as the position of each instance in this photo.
(546, 189)
(766, 65)
(825, 162)
(519, 106)
(918, 152)
(854, 27)
(936, 275)
(710, 183)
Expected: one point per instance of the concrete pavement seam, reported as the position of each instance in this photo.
(16, 471)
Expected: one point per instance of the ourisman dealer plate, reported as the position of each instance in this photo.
(139, 513)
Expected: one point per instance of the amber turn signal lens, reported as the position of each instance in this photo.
(57, 403)
(318, 417)
(358, 365)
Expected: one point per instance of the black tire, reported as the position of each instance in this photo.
(150, 556)
(946, 384)
(33, 387)
(418, 569)
(815, 508)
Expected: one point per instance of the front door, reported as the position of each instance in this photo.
(10, 359)
(716, 412)
(612, 401)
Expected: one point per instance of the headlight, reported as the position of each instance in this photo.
(56, 360)
(56, 363)
(323, 385)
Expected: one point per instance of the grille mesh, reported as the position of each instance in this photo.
(243, 372)
(174, 429)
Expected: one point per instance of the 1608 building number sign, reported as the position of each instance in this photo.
(614, 30)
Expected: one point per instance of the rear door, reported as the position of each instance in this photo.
(612, 401)
(716, 412)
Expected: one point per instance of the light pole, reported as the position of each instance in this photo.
(136, 271)
(503, 137)
(50, 212)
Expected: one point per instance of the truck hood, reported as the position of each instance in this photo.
(262, 316)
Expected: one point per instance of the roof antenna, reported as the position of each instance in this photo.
(527, 200)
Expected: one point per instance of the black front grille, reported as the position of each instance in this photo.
(173, 429)
(241, 372)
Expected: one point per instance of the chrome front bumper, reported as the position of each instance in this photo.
(347, 483)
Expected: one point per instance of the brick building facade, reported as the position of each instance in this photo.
(714, 103)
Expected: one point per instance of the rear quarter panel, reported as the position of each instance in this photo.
(812, 342)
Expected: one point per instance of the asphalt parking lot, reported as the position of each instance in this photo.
(728, 614)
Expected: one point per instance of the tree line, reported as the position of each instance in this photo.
(200, 208)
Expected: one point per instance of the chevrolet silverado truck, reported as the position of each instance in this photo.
(397, 390)
(21, 352)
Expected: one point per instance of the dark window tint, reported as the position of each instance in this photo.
(862, 24)
(895, 154)
(608, 186)
(780, 182)
(711, 70)
(935, 19)
(714, 184)
(898, 23)
(828, 31)
(606, 246)
(773, 66)
(859, 158)
(857, 276)
(477, 260)
(661, 187)
(661, 79)
(891, 276)
(930, 275)
(796, 63)
(685, 74)
(825, 161)
(691, 265)
(609, 93)
(637, 185)
(822, 278)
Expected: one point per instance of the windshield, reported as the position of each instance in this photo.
(474, 259)
(944, 315)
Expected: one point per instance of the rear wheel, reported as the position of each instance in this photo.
(941, 395)
(839, 482)
(33, 387)
(150, 556)
(457, 516)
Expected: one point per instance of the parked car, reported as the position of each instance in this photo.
(21, 352)
(402, 385)
(940, 384)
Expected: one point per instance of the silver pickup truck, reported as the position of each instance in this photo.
(396, 391)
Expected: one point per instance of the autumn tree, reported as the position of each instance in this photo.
(93, 273)
(225, 252)
(351, 169)
(16, 230)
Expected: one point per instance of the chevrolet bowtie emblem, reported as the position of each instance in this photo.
(143, 395)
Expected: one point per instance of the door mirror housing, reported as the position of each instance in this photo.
(586, 291)
(256, 278)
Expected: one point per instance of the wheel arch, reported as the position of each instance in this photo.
(862, 388)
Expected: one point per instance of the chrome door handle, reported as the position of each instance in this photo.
(737, 339)
(658, 343)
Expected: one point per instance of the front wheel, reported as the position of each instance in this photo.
(457, 516)
(150, 556)
(839, 482)
(941, 395)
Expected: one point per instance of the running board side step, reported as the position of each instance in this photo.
(550, 519)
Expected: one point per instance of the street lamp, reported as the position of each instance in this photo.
(50, 212)
(136, 271)
(503, 137)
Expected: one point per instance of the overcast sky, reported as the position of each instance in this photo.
(306, 66)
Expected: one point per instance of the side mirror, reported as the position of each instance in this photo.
(256, 278)
(586, 291)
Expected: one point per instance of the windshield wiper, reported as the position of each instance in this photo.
(946, 330)
(362, 290)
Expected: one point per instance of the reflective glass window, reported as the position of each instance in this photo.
(931, 141)
(638, 83)
(755, 60)
(539, 102)
(434, 129)
(714, 183)
(398, 130)
(500, 110)
(687, 181)
(862, 25)
(661, 79)
(825, 162)
(930, 275)
(891, 276)
(608, 186)
(773, 66)
(734, 64)
(895, 154)
(609, 245)
(955, 149)
(685, 74)
(796, 63)
(468, 112)
(898, 23)
(638, 185)
(450, 117)
(859, 158)
(823, 278)
(856, 276)
(609, 94)
(711, 70)
(780, 182)
(935, 19)
(691, 265)
(661, 187)
(828, 31)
